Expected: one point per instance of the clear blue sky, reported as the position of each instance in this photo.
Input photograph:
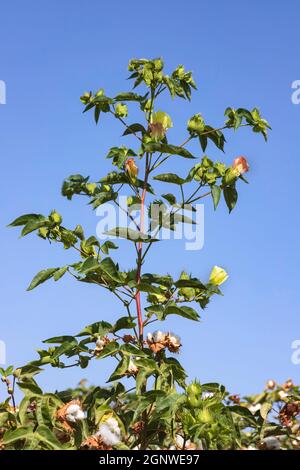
(242, 54)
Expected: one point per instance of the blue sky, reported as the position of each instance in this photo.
(242, 54)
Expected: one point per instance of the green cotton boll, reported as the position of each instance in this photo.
(55, 217)
(204, 416)
(179, 72)
(43, 232)
(158, 64)
(147, 76)
(210, 177)
(194, 388)
(220, 168)
(196, 124)
(194, 401)
(86, 97)
(87, 251)
(186, 292)
(121, 110)
(100, 92)
(207, 162)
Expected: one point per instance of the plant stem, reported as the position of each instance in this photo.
(140, 253)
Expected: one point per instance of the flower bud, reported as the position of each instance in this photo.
(194, 388)
(230, 176)
(271, 384)
(55, 217)
(241, 165)
(86, 97)
(121, 110)
(218, 276)
(196, 124)
(90, 187)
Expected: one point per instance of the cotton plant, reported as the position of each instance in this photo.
(148, 402)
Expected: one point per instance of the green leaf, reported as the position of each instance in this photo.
(120, 370)
(170, 178)
(265, 410)
(186, 312)
(58, 339)
(108, 245)
(230, 196)
(47, 437)
(60, 272)
(41, 277)
(110, 269)
(243, 412)
(18, 434)
(31, 226)
(30, 388)
(89, 265)
(64, 348)
(123, 323)
(134, 129)
(129, 96)
(170, 198)
(129, 234)
(131, 350)
(166, 148)
(109, 350)
(157, 310)
(99, 328)
(216, 195)
(26, 218)
(194, 282)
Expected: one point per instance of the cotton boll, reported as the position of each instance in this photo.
(255, 408)
(110, 432)
(271, 443)
(159, 336)
(74, 413)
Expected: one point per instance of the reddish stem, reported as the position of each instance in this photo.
(140, 253)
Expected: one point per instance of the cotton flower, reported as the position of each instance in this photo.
(131, 168)
(109, 432)
(74, 413)
(255, 408)
(218, 276)
(160, 123)
(241, 165)
(271, 443)
(207, 395)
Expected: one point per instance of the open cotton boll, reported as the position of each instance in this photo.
(159, 336)
(74, 413)
(255, 408)
(271, 443)
(110, 432)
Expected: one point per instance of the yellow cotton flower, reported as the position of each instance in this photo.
(218, 276)
(160, 123)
